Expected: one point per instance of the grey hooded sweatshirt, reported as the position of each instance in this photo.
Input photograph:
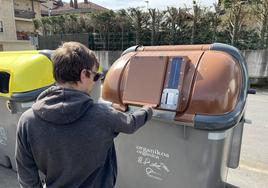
(70, 139)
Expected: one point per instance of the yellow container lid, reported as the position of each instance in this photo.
(27, 70)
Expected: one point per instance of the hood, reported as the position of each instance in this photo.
(61, 106)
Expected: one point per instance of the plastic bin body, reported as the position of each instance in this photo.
(181, 157)
(30, 73)
(199, 94)
(8, 128)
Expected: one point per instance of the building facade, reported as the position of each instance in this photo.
(16, 23)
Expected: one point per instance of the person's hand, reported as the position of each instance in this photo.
(119, 107)
(148, 106)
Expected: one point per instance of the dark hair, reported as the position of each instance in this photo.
(70, 59)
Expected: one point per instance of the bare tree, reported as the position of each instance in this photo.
(260, 9)
(237, 11)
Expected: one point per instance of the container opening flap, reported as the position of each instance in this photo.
(145, 80)
(4, 82)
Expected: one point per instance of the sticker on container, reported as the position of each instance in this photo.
(3, 136)
(27, 104)
(152, 161)
(216, 135)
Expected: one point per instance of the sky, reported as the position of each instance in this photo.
(160, 4)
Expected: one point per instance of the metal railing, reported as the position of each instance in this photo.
(24, 14)
(99, 41)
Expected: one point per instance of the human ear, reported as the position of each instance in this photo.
(83, 75)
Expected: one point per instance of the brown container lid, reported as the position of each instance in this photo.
(209, 81)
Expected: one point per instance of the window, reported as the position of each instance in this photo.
(1, 26)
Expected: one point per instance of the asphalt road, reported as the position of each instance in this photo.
(253, 169)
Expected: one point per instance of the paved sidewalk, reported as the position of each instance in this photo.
(253, 170)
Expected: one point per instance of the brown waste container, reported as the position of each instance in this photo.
(199, 94)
